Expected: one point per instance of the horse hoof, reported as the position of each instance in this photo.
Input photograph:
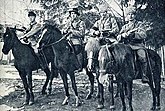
(26, 103)
(97, 96)
(112, 107)
(89, 96)
(153, 108)
(65, 102)
(100, 106)
(31, 102)
(158, 108)
(116, 95)
(77, 104)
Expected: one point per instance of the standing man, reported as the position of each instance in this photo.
(75, 32)
(134, 32)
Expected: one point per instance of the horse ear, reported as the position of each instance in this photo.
(7, 29)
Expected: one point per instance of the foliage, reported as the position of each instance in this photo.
(152, 16)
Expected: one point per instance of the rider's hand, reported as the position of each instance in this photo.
(97, 32)
(124, 34)
(119, 37)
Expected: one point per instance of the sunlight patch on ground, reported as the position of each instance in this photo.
(5, 107)
(5, 90)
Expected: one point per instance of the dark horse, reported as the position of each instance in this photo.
(119, 59)
(26, 60)
(92, 48)
(65, 62)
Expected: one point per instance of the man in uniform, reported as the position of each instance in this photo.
(33, 31)
(136, 34)
(106, 26)
(32, 34)
(75, 32)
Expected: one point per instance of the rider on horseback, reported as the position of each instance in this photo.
(106, 26)
(32, 35)
(136, 36)
(75, 31)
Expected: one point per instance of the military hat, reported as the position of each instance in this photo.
(74, 10)
(31, 13)
(130, 9)
(103, 8)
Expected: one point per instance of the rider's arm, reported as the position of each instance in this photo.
(33, 31)
(115, 27)
(95, 29)
(80, 31)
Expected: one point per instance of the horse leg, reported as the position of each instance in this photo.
(64, 78)
(47, 71)
(122, 96)
(91, 79)
(153, 94)
(24, 80)
(98, 89)
(72, 77)
(31, 89)
(111, 90)
(118, 91)
(129, 94)
(157, 89)
(101, 99)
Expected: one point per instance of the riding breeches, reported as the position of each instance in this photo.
(141, 55)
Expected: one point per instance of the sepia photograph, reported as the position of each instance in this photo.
(82, 55)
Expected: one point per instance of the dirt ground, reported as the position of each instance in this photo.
(12, 94)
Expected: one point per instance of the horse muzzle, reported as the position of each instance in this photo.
(5, 51)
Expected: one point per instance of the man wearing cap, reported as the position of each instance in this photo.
(33, 31)
(106, 26)
(134, 32)
(75, 31)
(32, 34)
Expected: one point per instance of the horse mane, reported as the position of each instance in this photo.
(118, 52)
(92, 45)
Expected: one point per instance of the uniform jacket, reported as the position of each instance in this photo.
(137, 35)
(77, 29)
(109, 24)
(32, 32)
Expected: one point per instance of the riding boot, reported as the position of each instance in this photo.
(42, 60)
(144, 74)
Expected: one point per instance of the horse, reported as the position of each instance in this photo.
(65, 62)
(25, 62)
(62, 60)
(119, 59)
(92, 48)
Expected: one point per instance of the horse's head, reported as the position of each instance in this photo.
(92, 48)
(106, 60)
(8, 39)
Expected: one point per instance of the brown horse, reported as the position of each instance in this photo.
(119, 59)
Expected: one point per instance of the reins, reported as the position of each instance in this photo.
(64, 37)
